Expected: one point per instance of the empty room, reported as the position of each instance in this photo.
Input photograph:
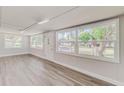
(61, 45)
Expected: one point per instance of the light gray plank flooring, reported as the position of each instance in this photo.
(28, 70)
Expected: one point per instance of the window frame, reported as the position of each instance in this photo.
(116, 58)
(13, 46)
(42, 41)
(67, 30)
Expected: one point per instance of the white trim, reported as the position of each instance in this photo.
(101, 59)
(115, 82)
(117, 51)
(36, 48)
(13, 54)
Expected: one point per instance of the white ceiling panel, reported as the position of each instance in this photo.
(20, 17)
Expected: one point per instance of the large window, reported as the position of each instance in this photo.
(37, 41)
(99, 40)
(66, 41)
(13, 41)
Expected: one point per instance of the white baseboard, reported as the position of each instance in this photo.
(14, 54)
(84, 71)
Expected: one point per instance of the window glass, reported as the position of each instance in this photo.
(37, 41)
(97, 41)
(13, 41)
(66, 41)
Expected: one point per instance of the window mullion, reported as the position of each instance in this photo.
(76, 43)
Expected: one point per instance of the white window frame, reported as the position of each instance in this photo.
(13, 46)
(116, 46)
(67, 30)
(42, 41)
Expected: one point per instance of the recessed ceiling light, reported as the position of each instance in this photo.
(44, 21)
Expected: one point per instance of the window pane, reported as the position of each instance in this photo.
(37, 41)
(66, 36)
(66, 41)
(66, 46)
(98, 40)
(85, 48)
(109, 50)
(13, 41)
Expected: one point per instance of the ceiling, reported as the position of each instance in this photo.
(20, 17)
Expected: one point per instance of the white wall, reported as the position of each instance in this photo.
(111, 72)
(14, 51)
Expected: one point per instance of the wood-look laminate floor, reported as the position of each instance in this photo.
(28, 70)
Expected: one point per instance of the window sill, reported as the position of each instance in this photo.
(15, 48)
(37, 48)
(90, 57)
